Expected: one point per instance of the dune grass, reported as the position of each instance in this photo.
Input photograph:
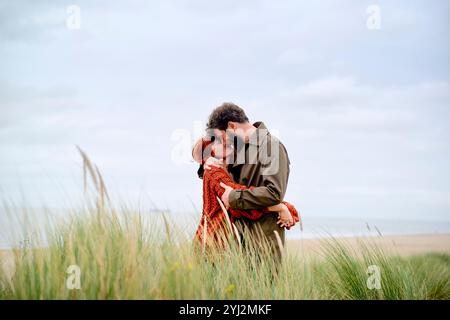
(120, 258)
(121, 255)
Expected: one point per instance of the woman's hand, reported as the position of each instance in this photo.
(284, 217)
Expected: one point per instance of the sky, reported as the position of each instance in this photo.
(363, 111)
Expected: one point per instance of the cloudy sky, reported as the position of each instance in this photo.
(363, 112)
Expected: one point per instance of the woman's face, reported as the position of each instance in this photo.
(222, 146)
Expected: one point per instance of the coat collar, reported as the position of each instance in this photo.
(258, 138)
(261, 133)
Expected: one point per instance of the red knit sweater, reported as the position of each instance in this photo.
(212, 212)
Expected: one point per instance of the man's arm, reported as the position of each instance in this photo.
(270, 194)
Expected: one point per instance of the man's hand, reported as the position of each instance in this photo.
(212, 162)
(226, 194)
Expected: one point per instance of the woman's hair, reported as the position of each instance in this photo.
(198, 152)
(225, 113)
(202, 150)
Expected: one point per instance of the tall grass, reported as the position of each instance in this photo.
(121, 255)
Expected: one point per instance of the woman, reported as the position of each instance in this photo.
(213, 224)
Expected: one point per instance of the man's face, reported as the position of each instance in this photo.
(235, 130)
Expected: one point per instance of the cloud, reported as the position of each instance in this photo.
(342, 102)
(359, 111)
(22, 22)
(351, 143)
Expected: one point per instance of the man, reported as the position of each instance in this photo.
(260, 161)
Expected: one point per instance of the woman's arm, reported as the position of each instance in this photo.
(215, 176)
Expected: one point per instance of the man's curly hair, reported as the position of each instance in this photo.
(224, 113)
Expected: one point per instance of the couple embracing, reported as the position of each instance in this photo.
(244, 169)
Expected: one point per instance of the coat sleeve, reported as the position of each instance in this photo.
(271, 193)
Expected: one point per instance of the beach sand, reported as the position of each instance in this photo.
(404, 245)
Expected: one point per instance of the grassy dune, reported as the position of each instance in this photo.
(122, 256)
